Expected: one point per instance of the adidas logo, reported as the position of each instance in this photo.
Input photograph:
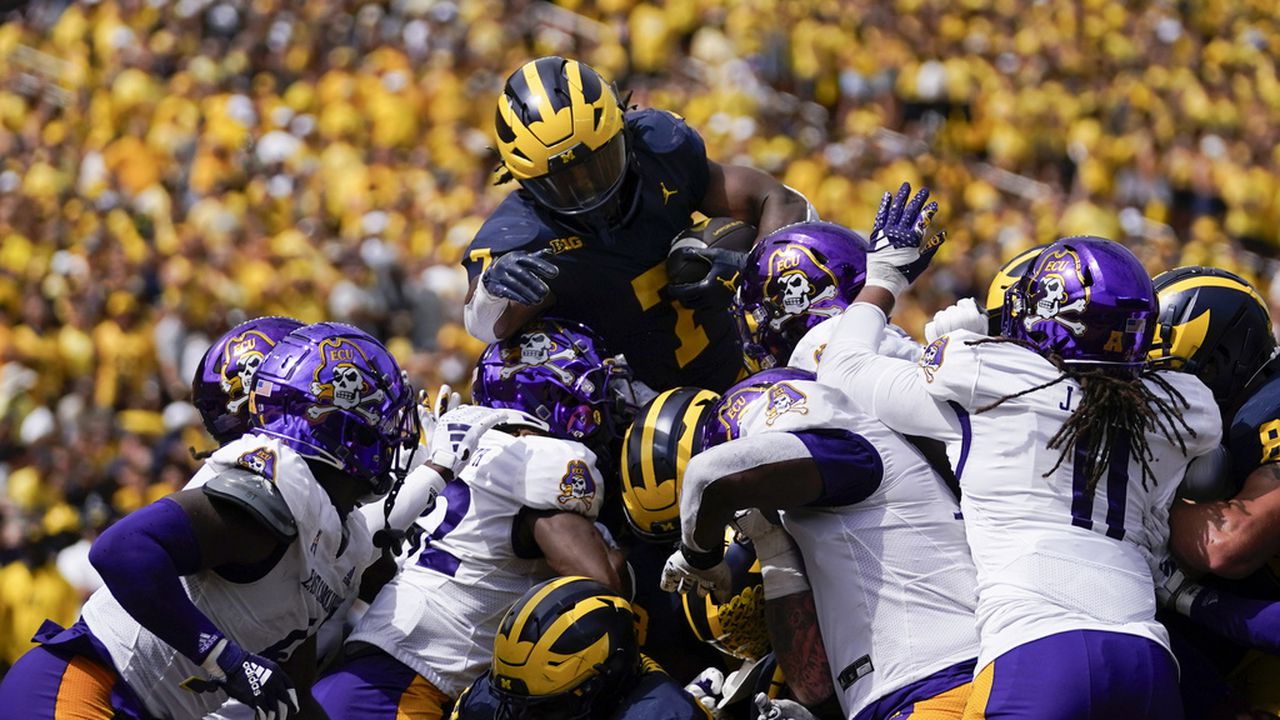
(257, 676)
(206, 643)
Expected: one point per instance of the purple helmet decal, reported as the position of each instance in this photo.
(724, 422)
(335, 394)
(1085, 299)
(559, 372)
(794, 279)
(224, 376)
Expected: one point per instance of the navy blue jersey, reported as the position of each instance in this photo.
(615, 286)
(1254, 435)
(654, 696)
(665, 633)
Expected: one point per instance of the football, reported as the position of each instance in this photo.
(721, 232)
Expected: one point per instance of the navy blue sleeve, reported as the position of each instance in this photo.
(849, 464)
(675, 145)
(140, 559)
(512, 226)
(657, 697)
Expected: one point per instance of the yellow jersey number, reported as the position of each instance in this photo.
(693, 338)
(1269, 438)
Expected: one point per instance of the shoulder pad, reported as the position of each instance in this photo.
(258, 496)
(660, 131)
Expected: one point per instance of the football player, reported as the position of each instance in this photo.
(602, 192)
(1215, 324)
(1081, 448)
(520, 512)
(567, 649)
(857, 495)
(216, 591)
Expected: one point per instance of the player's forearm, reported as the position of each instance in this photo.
(797, 644)
(140, 559)
(573, 546)
(1230, 538)
(782, 206)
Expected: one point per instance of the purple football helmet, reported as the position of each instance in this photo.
(220, 390)
(335, 394)
(794, 279)
(1085, 299)
(559, 372)
(723, 423)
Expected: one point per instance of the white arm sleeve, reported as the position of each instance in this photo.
(728, 459)
(892, 390)
(482, 313)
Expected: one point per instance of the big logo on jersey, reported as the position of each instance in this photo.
(576, 487)
(784, 398)
(261, 461)
(1057, 272)
(537, 349)
(800, 284)
(341, 382)
(931, 359)
(240, 361)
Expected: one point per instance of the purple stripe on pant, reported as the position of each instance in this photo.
(1080, 675)
(367, 687)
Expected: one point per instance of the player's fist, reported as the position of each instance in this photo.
(253, 680)
(521, 276)
(769, 709)
(964, 315)
(457, 434)
(901, 248)
(679, 575)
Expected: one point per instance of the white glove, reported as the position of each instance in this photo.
(767, 709)
(1173, 589)
(428, 416)
(679, 576)
(781, 566)
(457, 433)
(706, 688)
(964, 315)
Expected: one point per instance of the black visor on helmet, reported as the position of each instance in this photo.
(585, 182)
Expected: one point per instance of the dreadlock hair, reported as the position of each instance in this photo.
(1116, 407)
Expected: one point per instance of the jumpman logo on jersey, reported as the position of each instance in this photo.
(666, 194)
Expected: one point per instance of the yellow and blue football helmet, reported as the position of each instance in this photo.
(561, 134)
(565, 643)
(1213, 324)
(1006, 276)
(657, 447)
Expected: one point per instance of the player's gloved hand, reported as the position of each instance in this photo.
(900, 250)
(456, 435)
(1208, 477)
(253, 680)
(964, 315)
(768, 709)
(521, 276)
(1174, 590)
(716, 288)
(707, 688)
(679, 575)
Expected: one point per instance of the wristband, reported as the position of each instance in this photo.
(482, 313)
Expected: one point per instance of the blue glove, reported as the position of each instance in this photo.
(716, 288)
(253, 680)
(900, 251)
(521, 276)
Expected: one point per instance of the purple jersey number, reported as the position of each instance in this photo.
(457, 497)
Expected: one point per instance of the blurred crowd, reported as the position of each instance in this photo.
(168, 169)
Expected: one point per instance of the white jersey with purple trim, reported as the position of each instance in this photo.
(440, 614)
(1052, 555)
(891, 575)
(318, 573)
(808, 352)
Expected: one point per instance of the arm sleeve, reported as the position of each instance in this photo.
(1248, 622)
(561, 475)
(892, 390)
(850, 466)
(140, 559)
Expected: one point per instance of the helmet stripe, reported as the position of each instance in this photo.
(522, 617)
(1203, 281)
(549, 71)
(647, 475)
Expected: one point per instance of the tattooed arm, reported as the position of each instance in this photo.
(797, 643)
(1230, 538)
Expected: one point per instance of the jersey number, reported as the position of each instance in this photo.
(647, 287)
(1269, 438)
(457, 497)
(1117, 480)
